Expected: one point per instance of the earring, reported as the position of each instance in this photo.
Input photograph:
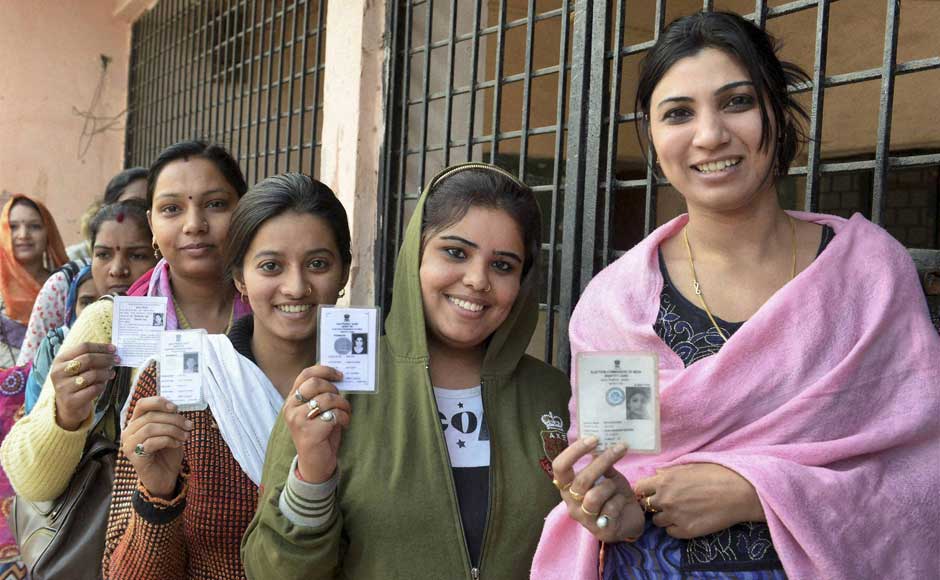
(342, 292)
(243, 298)
(156, 249)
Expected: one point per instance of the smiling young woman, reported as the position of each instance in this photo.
(451, 457)
(186, 484)
(767, 324)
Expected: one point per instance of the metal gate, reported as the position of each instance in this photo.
(243, 73)
(544, 89)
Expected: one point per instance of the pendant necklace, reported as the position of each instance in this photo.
(698, 287)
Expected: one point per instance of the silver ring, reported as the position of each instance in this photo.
(602, 522)
(328, 416)
(314, 407)
(299, 397)
(139, 449)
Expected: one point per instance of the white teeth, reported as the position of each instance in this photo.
(471, 306)
(717, 165)
(293, 307)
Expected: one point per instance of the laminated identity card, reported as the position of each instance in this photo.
(181, 368)
(618, 399)
(348, 341)
(137, 328)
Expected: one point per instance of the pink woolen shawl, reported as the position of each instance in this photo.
(826, 400)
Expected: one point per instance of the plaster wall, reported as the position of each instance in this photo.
(63, 92)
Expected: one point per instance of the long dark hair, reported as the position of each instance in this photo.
(277, 195)
(218, 155)
(117, 185)
(460, 188)
(133, 209)
(756, 50)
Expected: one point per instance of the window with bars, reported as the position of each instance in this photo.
(247, 74)
(545, 89)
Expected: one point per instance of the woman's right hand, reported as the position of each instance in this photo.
(316, 439)
(153, 442)
(79, 375)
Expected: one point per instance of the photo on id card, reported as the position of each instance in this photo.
(618, 399)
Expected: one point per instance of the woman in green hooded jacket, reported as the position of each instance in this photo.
(446, 471)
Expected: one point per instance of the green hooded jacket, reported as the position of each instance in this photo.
(398, 516)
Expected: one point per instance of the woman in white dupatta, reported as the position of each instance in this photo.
(186, 484)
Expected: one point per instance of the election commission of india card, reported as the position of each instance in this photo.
(348, 341)
(618, 399)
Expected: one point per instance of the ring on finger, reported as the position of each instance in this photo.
(73, 367)
(139, 449)
(328, 416)
(558, 485)
(588, 512)
(602, 522)
(314, 407)
(300, 398)
(578, 497)
(649, 506)
(80, 381)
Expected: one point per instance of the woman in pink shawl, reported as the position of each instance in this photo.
(798, 366)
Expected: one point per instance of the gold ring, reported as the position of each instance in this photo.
(590, 513)
(73, 367)
(559, 486)
(314, 406)
(649, 506)
(578, 497)
(79, 381)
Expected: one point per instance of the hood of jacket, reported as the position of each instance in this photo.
(405, 327)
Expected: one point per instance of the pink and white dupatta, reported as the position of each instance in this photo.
(827, 400)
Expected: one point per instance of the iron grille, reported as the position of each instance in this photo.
(618, 200)
(243, 73)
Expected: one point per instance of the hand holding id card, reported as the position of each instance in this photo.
(181, 369)
(348, 341)
(618, 399)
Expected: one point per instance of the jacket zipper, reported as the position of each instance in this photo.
(474, 572)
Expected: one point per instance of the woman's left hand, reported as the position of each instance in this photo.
(698, 499)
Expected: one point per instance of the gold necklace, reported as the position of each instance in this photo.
(698, 287)
(185, 325)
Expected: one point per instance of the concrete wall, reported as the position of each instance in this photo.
(61, 107)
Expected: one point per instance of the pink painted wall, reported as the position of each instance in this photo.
(57, 140)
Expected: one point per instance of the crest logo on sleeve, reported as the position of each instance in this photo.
(554, 440)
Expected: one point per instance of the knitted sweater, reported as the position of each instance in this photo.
(195, 535)
(40, 457)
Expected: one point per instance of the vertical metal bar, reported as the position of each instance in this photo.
(303, 84)
(577, 112)
(449, 91)
(474, 64)
(560, 94)
(290, 86)
(191, 73)
(649, 203)
(201, 79)
(261, 60)
(760, 13)
(246, 162)
(403, 138)
(708, 5)
(886, 100)
(130, 135)
(238, 41)
(382, 264)
(613, 130)
(526, 89)
(270, 86)
(146, 131)
(215, 75)
(498, 80)
(590, 181)
(314, 134)
(280, 88)
(155, 81)
(811, 197)
(426, 88)
(228, 56)
(183, 128)
(164, 74)
(174, 57)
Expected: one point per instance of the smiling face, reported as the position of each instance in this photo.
(121, 255)
(470, 277)
(291, 266)
(191, 212)
(705, 124)
(28, 234)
